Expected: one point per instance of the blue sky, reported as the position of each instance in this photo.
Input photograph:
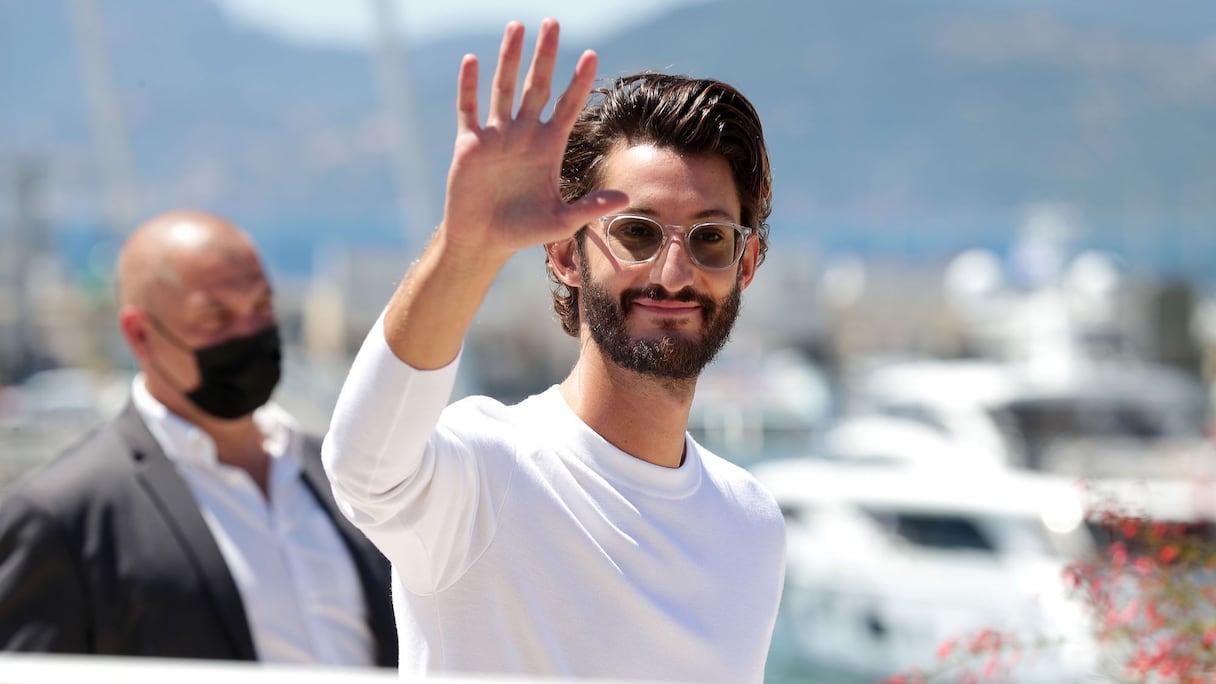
(349, 22)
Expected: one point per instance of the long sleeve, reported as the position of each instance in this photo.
(42, 605)
(381, 422)
(418, 492)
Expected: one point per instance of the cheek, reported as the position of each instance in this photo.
(593, 266)
(612, 280)
(179, 362)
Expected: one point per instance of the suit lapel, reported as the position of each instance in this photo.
(371, 565)
(314, 476)
(173, 498)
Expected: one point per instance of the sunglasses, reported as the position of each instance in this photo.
(637, 239)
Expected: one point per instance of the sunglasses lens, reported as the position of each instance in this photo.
(715, 245)
(634, 239)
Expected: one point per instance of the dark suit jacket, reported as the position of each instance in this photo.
(104, 551)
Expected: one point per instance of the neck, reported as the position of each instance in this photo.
(240, 436)
(238, 443)
(642, 415)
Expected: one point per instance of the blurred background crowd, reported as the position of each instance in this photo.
(992, 274)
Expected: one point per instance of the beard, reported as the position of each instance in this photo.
(671, 354)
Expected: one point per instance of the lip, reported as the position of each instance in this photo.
(666, 307)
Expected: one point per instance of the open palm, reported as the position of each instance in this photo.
(503, 189)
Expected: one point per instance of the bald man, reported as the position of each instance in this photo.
(198, 523)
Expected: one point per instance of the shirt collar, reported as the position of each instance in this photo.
(184, 442)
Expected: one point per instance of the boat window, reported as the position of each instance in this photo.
(935, 530)
(1033, 425)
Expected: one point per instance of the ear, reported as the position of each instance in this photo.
(133, 324)
(749, 263)
(563, 260)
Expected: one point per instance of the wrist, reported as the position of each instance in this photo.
(469, 254)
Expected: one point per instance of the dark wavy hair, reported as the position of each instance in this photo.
(689, 115)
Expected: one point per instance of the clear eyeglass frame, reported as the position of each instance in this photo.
(743, 234)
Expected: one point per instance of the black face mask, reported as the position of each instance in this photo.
(235, 376)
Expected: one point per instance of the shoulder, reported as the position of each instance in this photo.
(80, 467)
(740, 485)
(479, 414)
(484, 430)
(97, 468)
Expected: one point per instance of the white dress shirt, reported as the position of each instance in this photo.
(299, 586)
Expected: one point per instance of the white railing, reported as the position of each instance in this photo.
(23, 668)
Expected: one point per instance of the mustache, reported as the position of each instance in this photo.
(660, 293)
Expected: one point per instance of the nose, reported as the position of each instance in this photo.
(252, 314)
(672, 266)
(252, 324)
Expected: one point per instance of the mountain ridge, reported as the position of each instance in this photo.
(895, 127)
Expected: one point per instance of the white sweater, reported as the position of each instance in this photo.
(523, 542)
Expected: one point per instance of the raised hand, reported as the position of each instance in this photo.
(503, 185)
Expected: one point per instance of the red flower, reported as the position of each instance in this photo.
(1154, 618)
(1074, 574)
(1168, 553)
(991, 667)
(1142, 604)
(1129, 527)
(1116, 617)
(986, 640)
(1140, 663)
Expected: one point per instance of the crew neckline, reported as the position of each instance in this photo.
(576, 438)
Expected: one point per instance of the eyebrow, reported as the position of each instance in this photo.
(719, 214)
(266, 292)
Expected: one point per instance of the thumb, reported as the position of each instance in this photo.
(594, 205)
